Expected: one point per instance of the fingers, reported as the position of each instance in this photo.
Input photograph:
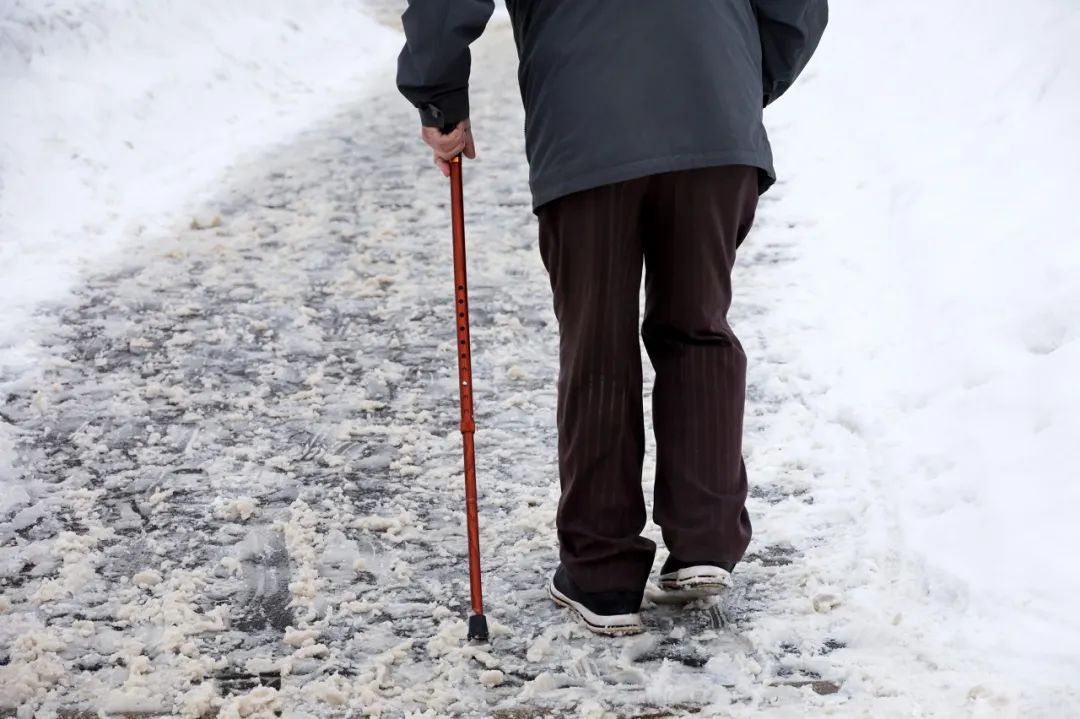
(449, 145)
(443, 165)
(470, 145)
(446, 147)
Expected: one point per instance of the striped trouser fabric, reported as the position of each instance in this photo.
(684, 227)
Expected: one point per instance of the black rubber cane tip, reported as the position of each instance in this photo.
(478, 631)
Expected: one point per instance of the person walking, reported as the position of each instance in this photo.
(646, 149)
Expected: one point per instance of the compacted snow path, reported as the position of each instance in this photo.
(239, 488)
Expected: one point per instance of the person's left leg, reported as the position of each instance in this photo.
(590, 242)
(695, 221)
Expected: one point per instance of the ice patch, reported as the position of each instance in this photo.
(492, 677)
(146, 578)
(235, 508)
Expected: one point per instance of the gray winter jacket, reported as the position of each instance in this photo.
(618, 89)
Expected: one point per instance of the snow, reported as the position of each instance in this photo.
(932, 156)
(231, 477)
(117, 113)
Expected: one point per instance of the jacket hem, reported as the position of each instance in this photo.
(543, 192)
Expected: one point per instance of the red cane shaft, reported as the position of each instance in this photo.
(468, 427)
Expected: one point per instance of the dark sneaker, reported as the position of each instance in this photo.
(685, 581)
(607, 613)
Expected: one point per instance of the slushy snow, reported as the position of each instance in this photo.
(118, 113)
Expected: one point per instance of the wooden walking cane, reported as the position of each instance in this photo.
(478, 629)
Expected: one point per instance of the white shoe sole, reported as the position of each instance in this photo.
(615, 625)
(696, 582)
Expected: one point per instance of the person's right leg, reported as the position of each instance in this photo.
(696, 220)
(590, 242)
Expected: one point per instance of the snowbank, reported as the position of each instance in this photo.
(116, 112)
(934, 158)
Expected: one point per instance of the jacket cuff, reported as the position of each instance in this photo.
(446, 111)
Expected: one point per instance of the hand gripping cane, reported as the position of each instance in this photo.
(478, 629)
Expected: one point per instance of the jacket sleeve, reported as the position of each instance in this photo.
(433, 67)
(790, 31)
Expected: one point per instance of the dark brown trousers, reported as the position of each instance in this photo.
(685, 226)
